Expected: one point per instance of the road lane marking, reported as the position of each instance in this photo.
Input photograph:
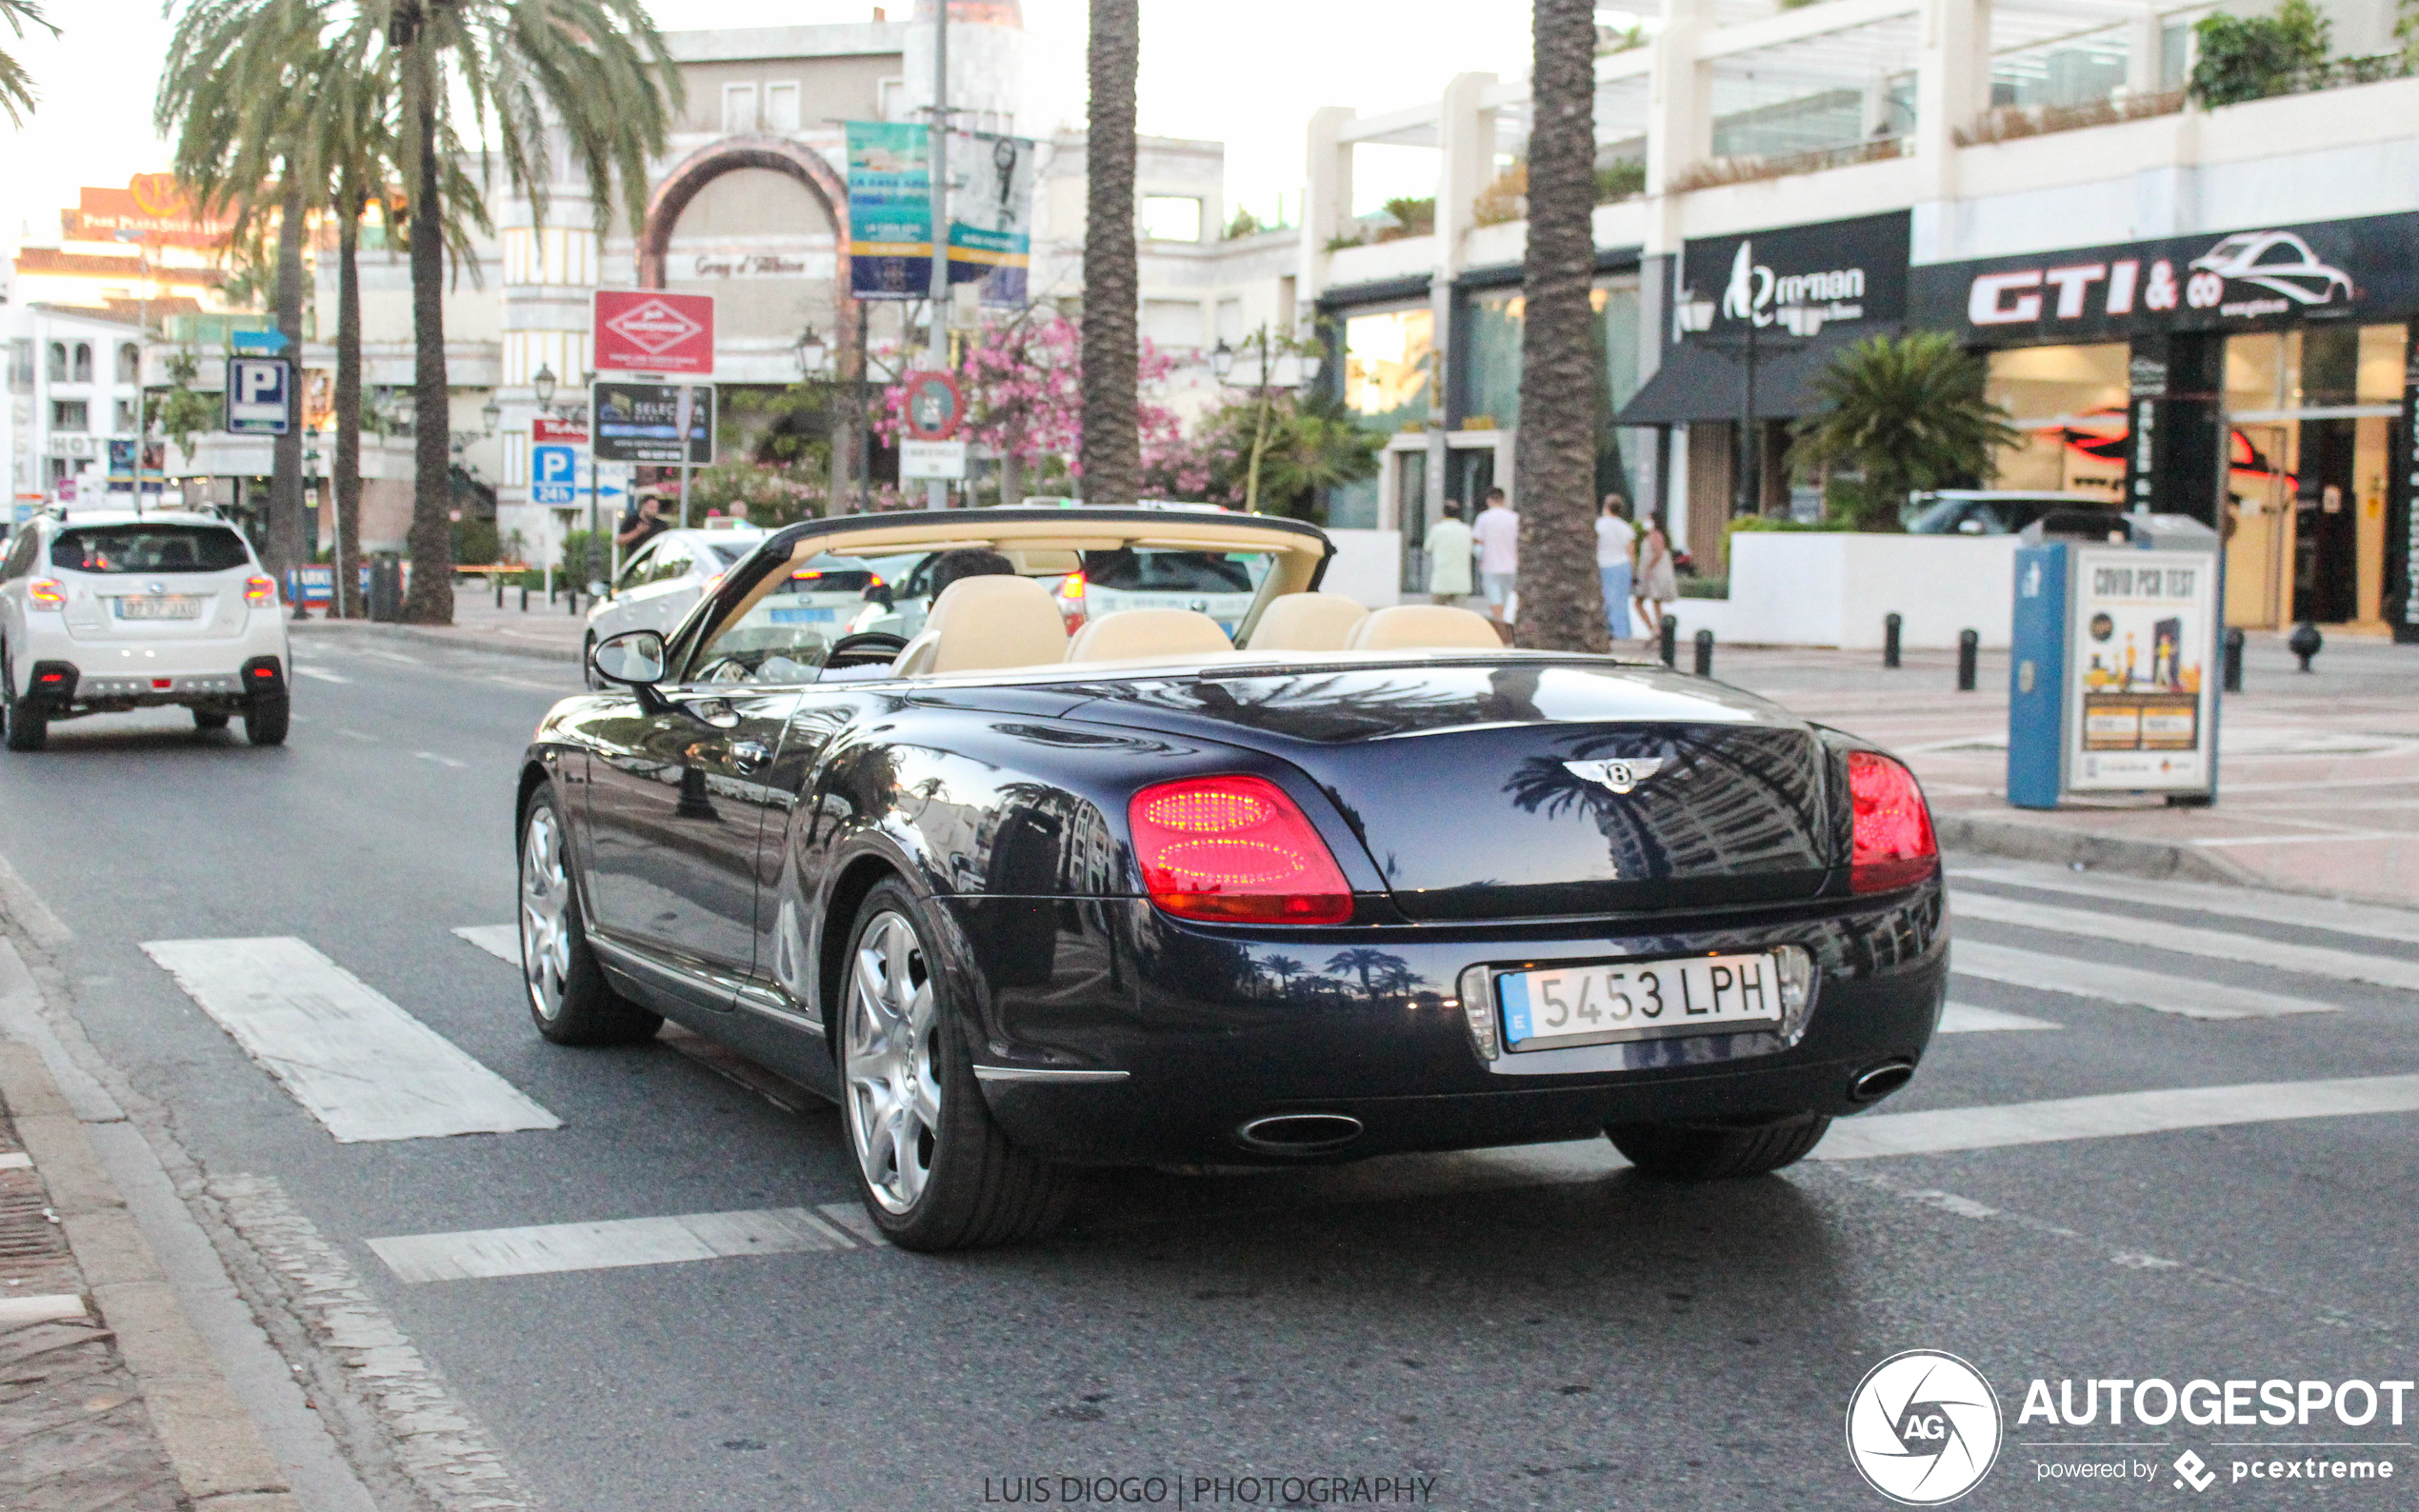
(362, 1066)
(321, 673)
(2236, 903)
(1964, 1018)
(2112, 1115)
(16, 1160)
(547, 1248)
(355, 734)
(502, 941)
(2126, 984)
(442, 761)
(18, 1312)
(2215, 944)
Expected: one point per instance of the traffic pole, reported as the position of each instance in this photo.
(936, 493)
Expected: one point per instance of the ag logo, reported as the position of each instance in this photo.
(1618, 776)
(1923, 1428)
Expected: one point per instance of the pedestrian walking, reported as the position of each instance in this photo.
(644, 523)
(1450, 550)
(1498, 533)
(1656, 587)
(1616, 548)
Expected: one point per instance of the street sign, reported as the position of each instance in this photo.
(554, 475)
(934, 407)
(641, 422)
(932, 460)
(260, 396)
(257, 342)
(646, 331)
(546, 428)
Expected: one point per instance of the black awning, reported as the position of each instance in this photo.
(1701, 381)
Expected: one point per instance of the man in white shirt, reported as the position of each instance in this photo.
(1448, 557)
(1498, 534)
(1615, 543)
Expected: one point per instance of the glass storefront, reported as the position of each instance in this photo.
(1489, 375)
(1388, 361)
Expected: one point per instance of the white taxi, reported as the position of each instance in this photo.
(103, 611)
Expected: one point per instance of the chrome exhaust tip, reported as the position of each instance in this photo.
(1877, 1081)
(1299, 1133)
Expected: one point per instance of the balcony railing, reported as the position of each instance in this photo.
(2012, 121)
(1748, 169)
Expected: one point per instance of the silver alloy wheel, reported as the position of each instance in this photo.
(890, 1053)
(546, 912)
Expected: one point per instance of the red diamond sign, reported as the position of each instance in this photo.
(650, 331)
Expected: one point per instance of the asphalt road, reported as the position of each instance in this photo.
(1529, 1329)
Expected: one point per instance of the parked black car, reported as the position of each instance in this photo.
(1371, 882)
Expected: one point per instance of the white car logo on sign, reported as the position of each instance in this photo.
(1617, 776)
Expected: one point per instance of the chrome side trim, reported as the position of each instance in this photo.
(1043, 1073)
(777, 1007)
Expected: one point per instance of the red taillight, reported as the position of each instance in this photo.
(1070, 601)
(49, 592)
(1235, 850)
(260, 589)
(1894, 846)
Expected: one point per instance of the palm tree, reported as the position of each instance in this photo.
(16, 86)
(1111, 449)
(1906, 413)
(1555, 468)
(591, 75)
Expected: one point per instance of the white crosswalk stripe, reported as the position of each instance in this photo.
(361, 1065)
(2113, 1114)
(1964, 1018)
(502, 941)
(550, 1248)
(2344, 965)
(2235, 903)
(2126, 984)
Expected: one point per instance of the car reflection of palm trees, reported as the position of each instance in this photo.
(1375, 967)
(1285, 968)
(1734, 797)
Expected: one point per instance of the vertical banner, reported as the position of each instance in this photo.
(992, 215)
(2402, 525)
(889, 210)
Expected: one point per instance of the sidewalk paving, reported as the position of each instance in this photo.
(2318, 772)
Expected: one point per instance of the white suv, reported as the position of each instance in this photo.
(106, 612)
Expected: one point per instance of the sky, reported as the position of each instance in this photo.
(1248, 72)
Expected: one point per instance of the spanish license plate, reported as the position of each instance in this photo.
(803, 616)
(1638, 1000)
(160, 606)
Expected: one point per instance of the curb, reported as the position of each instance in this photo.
(218, 1451)
(2159, 860)
(427, 636)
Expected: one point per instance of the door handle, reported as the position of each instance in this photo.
(750, 754)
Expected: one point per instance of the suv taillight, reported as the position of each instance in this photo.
(1893, 840)
(1070, 601)
(260, 589)
(1236, 850)
(47, 593)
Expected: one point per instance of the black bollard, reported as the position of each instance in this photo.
(499, 591)
(2235, 661)
(524, 598)
(1890, 639)
(1969, 652)
(571, 596)
(1670, 639)
(1705, 653)
(2305, 643)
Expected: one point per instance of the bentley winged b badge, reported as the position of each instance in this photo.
(1618, 776)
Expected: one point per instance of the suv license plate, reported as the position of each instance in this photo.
(165, 606)
(1638, 1000)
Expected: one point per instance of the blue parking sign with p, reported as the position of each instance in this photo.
(554, 474)
(260, 396)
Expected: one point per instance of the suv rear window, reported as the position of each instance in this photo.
(149, 548)
(1151, 571)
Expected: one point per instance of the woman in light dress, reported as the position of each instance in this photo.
(1656, 586)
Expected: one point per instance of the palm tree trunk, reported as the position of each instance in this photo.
(1111, 450)
(347, 468)
(285, 532)
(430, 600)
(1561, 597)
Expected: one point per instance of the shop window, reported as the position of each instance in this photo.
(129, 363)
(1171, 218)
(1388, 360)
(70, 415)
(2069, 403)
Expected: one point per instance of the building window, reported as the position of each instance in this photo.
(69, 414)
(127, 424)
(738, 108)
(58, 361)
(21, 365)
(84, 362)
(129, 363)
(1173, 324)
(1171, 218)
(780, 106)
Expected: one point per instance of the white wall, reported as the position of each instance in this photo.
(1832, 589)
(1368, 567)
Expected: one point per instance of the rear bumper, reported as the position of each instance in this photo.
(1215, 1029)
(64, 689)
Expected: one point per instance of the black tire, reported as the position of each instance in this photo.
(979, 1191)
(211, 719)
(29, 729)
(568, 998)
(1718, 1152)
(266, 718)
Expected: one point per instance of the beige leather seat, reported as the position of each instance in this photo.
(1130, 633)
(1424, 627)
(984, 625)
(1307, 622)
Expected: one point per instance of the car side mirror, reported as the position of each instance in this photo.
(633, 658)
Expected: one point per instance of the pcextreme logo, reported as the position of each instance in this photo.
(1924, 1427)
